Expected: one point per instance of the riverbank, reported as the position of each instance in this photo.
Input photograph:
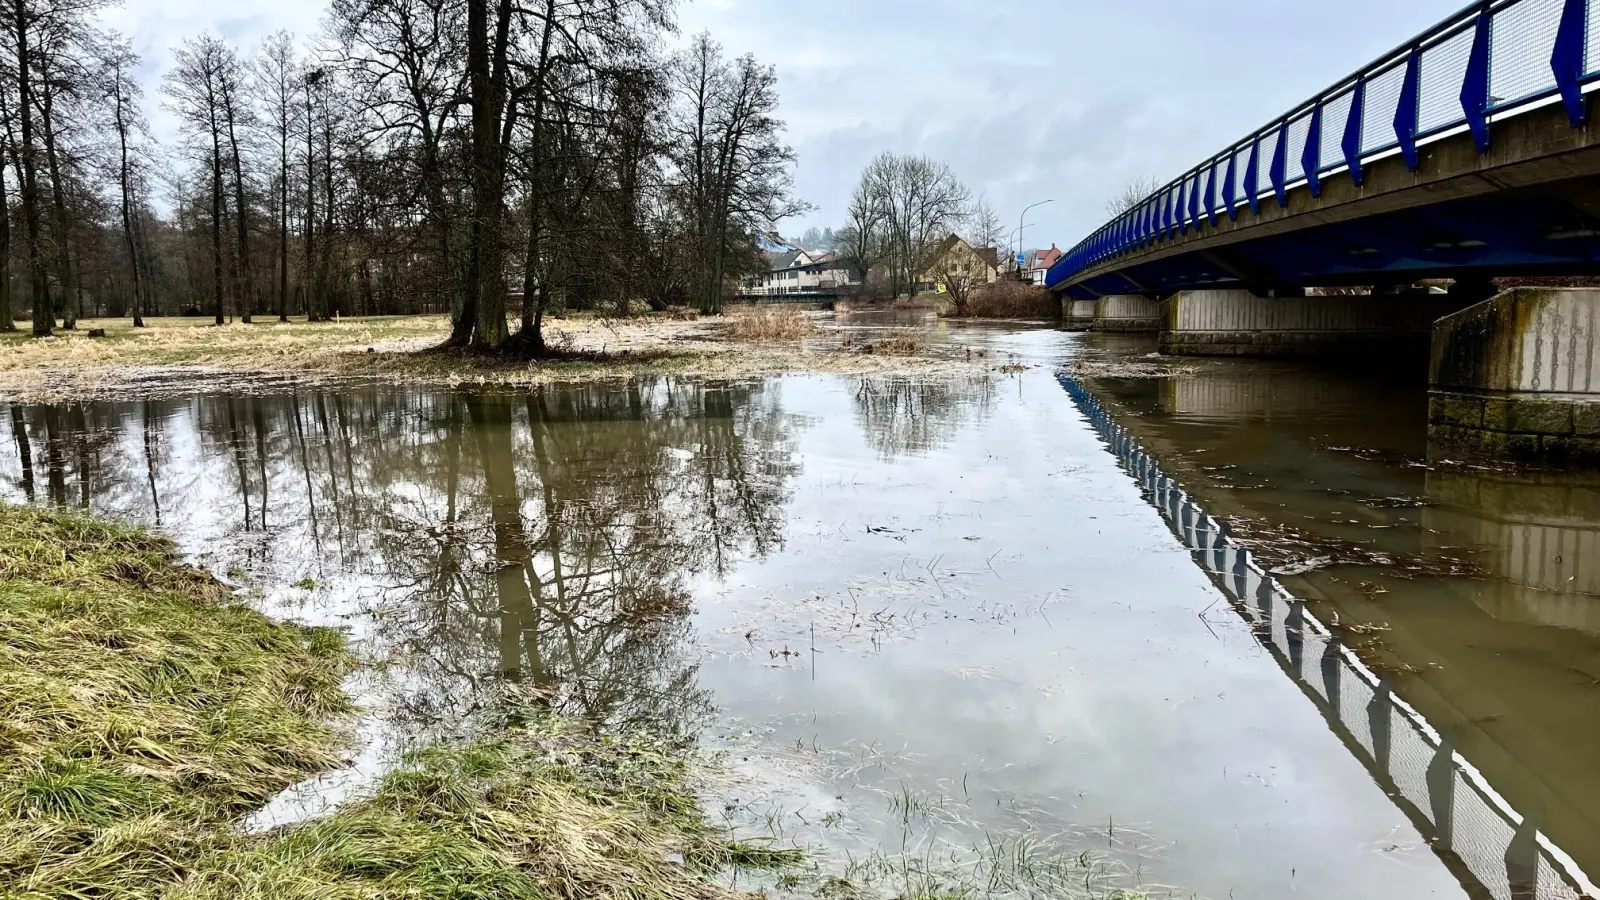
(402, 349)
(145, 712)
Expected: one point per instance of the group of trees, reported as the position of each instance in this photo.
(424, 155)
(901, 214)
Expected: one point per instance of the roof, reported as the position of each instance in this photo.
(780, 259)
(990, 255)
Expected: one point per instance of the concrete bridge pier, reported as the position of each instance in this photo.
(1077, 315)
(1238, 323)
(1518, 377)
(1127, 312)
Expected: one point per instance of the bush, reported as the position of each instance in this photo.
(770, 323)
(1013, 300)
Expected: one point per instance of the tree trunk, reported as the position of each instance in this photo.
(127, 205)
(216, 208)
(486, 67)
(313, 310)
(43, 320)
(245, 289)
(283, 219)
(66, 272)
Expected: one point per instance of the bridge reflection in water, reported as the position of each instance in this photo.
(1494, 849)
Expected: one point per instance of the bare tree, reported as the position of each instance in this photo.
(733, 167)
(127, 121)
(276, 83)
(21, 22)
(983, 226)
(921, 202)
(195, 88)
(1131, 195)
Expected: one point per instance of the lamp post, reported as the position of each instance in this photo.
(1021, 226)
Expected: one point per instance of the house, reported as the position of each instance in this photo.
(955, 258)
(809, 274)
(1036, 264)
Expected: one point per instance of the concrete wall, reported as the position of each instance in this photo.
(1238, 323)
(1127, 312)
(1077, 315)
(1518, 377)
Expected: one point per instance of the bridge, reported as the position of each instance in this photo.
(1465, 154)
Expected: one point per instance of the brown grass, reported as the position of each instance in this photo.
(769, 324)
(168, 356)
(1013, 300)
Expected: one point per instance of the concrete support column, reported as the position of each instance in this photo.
(1518, 377)
(1077, 315)
(1238, 323)
(1127, 312)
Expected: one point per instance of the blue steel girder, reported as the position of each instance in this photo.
(1567, 58)
(1211, 193)
(1194, 201)
(1311, 157)
(1352, 131)
(1280, 165)
(1229, 185)
(1405, 112)
(1252, 177)
(1475, 81)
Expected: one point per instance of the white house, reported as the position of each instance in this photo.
(801, 272)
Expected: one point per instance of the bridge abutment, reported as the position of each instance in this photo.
(1517, 378)
(1238, 323)
(1127, 312)
(1077, 315)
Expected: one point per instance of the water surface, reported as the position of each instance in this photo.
(920, 615)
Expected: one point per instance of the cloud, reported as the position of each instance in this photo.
(1042, 99)
(1027, 99)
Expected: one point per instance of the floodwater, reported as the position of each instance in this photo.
(943, 624)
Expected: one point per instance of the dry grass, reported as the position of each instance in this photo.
(141, 714)
(169, 355)
(774, 323)
(1008, 299)
(140, 710)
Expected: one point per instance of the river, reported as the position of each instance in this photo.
(940, 625)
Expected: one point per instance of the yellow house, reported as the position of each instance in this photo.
(953, 259)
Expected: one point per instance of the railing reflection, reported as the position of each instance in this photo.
(1488, 844)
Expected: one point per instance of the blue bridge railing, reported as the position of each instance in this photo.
(1489, 61)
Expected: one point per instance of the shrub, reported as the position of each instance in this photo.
(1013, 300)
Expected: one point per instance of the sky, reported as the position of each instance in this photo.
(1027, 100)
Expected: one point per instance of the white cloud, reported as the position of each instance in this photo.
(1027, 99)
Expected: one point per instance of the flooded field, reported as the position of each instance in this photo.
(939, 626)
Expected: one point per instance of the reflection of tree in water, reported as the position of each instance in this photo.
(549, 538)
(573, 520)
(912, 416)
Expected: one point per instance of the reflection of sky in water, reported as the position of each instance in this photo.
(926, 612)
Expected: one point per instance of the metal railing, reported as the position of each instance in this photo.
(1492, 60)
(1453, 806)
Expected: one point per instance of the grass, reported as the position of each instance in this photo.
(143, 713)
(403, 349)
(1007, 299)
(765, 324)
(140, 709)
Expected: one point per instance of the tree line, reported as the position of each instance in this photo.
(486, 158)
(903, 209)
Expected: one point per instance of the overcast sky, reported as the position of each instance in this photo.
(1027, 99)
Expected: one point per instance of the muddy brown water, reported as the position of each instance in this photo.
(938, 624)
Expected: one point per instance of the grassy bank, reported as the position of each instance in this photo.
(72, 365)
(143, 712)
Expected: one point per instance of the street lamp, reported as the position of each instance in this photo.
(1021, 226)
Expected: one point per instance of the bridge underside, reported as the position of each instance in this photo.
(1544, 231)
